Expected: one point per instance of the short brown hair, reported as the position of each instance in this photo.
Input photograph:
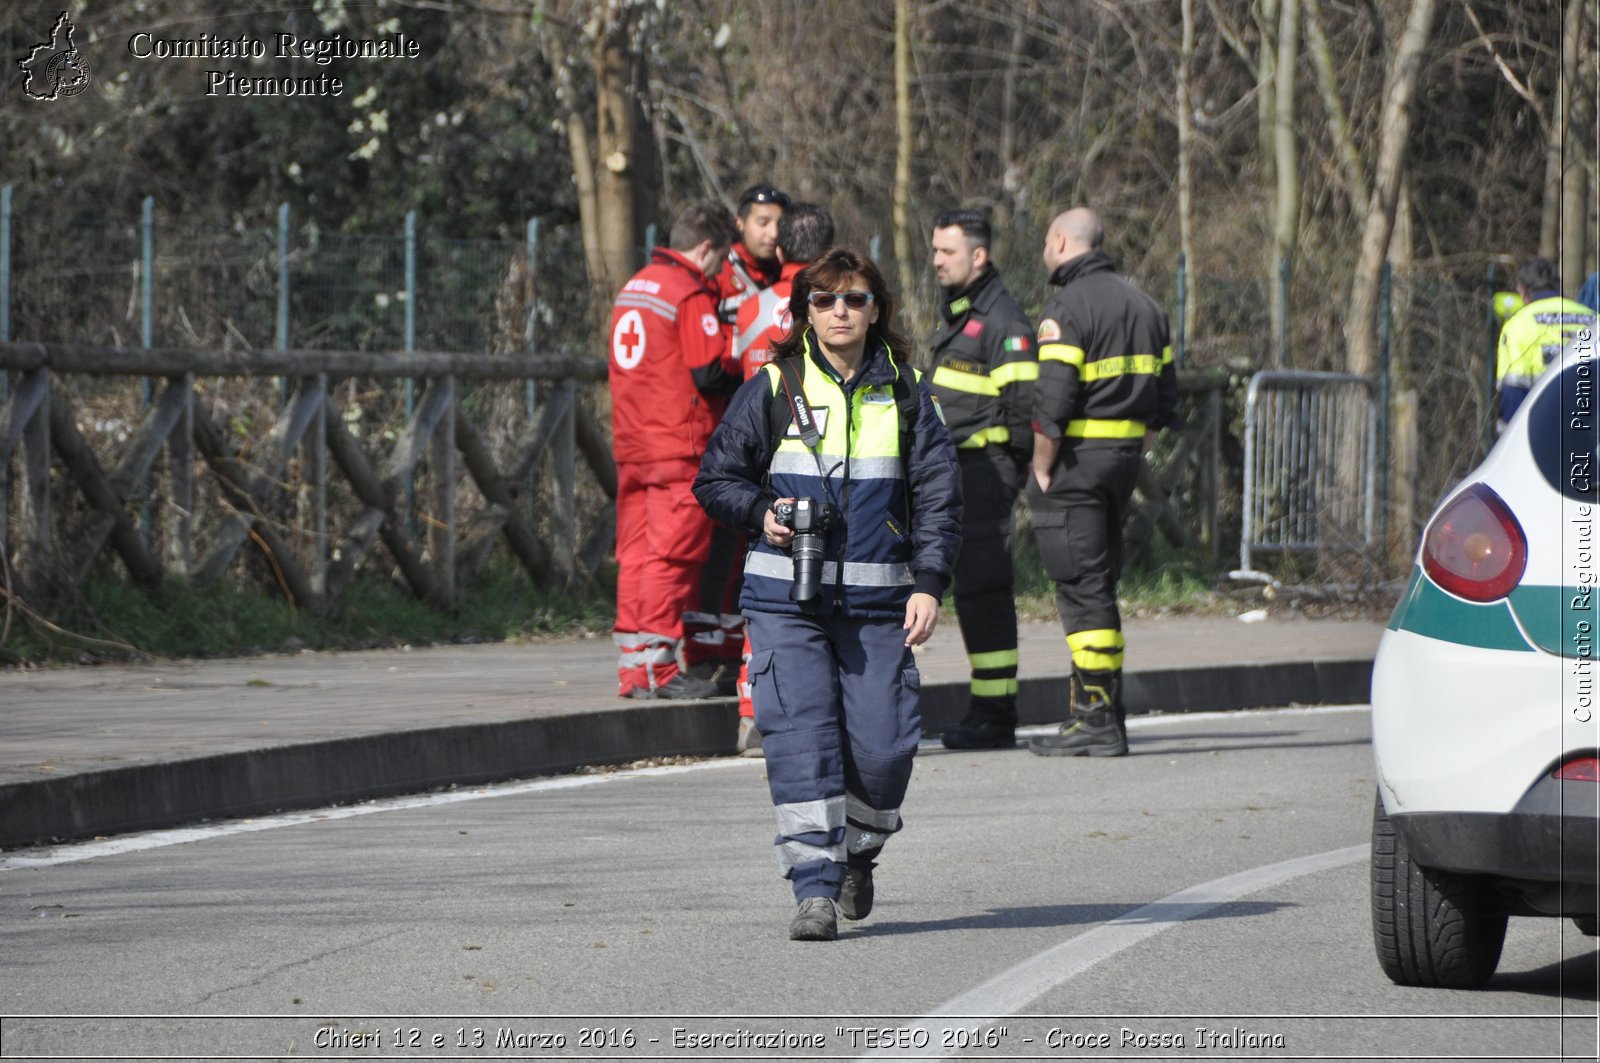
(702, 220)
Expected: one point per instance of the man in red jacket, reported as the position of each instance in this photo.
(714, 631)
(671, 370)
(753, 259)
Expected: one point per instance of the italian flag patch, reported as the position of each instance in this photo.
(1018, 343)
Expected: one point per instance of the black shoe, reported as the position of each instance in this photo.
(985, 734)
(815, 921)
(855, 896)
(1090, 734)
(718, 675)
(679, 688)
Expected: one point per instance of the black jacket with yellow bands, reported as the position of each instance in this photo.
(984, 366)
(1105, 358)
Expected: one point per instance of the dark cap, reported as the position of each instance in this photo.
(761, 194)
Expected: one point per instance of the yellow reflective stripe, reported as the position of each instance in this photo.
(1094, 661)
(1099, 650)
(997, 433)
(993, 659)
(1166, 355)
(1014, 373)
(1093, 428)
(1061, 352)
(1102, 637)
(958, 380)
(1146, 364)
(993, 688)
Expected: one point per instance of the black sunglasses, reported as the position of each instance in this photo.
(764, 194)
(854, 300)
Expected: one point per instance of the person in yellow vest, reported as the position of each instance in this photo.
(1534, 336)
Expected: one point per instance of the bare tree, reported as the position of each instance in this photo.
(1186, 159)
(902, 154)
(611, 151)
(1344, 146)
(1394, 138)
(1286, 187)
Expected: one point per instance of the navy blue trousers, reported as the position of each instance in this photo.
(836, 704)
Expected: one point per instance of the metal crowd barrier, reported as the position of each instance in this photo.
(1309, 467)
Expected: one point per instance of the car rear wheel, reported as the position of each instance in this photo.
(1431, 928)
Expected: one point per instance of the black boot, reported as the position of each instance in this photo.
(857, 893)
(1097, 726)
(990, 723)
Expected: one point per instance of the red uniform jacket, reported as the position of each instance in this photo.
(763, 321)
(668, 349)
(739, 281)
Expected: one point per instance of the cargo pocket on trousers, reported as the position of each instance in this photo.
(910, 695)
(1055, 545)
(765, 693)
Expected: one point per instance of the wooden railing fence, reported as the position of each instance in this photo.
(454, 476)
(227, 484)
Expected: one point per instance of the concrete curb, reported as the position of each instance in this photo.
(314, 774)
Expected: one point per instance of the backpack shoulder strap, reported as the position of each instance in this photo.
(907, 404)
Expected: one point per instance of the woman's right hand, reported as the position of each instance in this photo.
(776, 534)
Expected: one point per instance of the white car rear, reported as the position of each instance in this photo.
(1486, 713)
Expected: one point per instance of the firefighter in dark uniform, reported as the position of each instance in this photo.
(1106, 386)
(984, 367)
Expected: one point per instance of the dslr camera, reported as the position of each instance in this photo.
(810, 520)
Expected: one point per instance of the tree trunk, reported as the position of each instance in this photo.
(1350, 169)
(1556, 155)
(1010, 173)
(611, 158)
(579, 145)
(902, 155)
(615, 134)
(1186, 165)
(1394, 136)
(1266, 77)
(1573, 247)
(1286, 219)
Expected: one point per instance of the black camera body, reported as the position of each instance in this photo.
(810, 520)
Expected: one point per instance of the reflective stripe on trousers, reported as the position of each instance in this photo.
(836, 704)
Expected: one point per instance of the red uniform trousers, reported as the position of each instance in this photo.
(662, 539)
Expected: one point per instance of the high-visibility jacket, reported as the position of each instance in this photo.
(1530, 340)
(668, 381)
(901, 524)
(763, 321)
(984, 366)
(1105, 358)
(741, 278)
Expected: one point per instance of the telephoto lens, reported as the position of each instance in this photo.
(809, 519)
(807, 553)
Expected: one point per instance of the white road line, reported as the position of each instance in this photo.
(1010, 991)
(25, 859)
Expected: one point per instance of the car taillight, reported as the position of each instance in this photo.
(1475, 548)
(1580, 769)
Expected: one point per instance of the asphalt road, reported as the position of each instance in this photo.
(1204, 898)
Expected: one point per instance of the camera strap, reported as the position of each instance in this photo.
(800, 415)
(794, 393)
(796, 410)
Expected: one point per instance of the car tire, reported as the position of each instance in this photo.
(1440, 929)
(1588, 925)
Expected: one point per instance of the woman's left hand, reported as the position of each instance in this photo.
(922, 616)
